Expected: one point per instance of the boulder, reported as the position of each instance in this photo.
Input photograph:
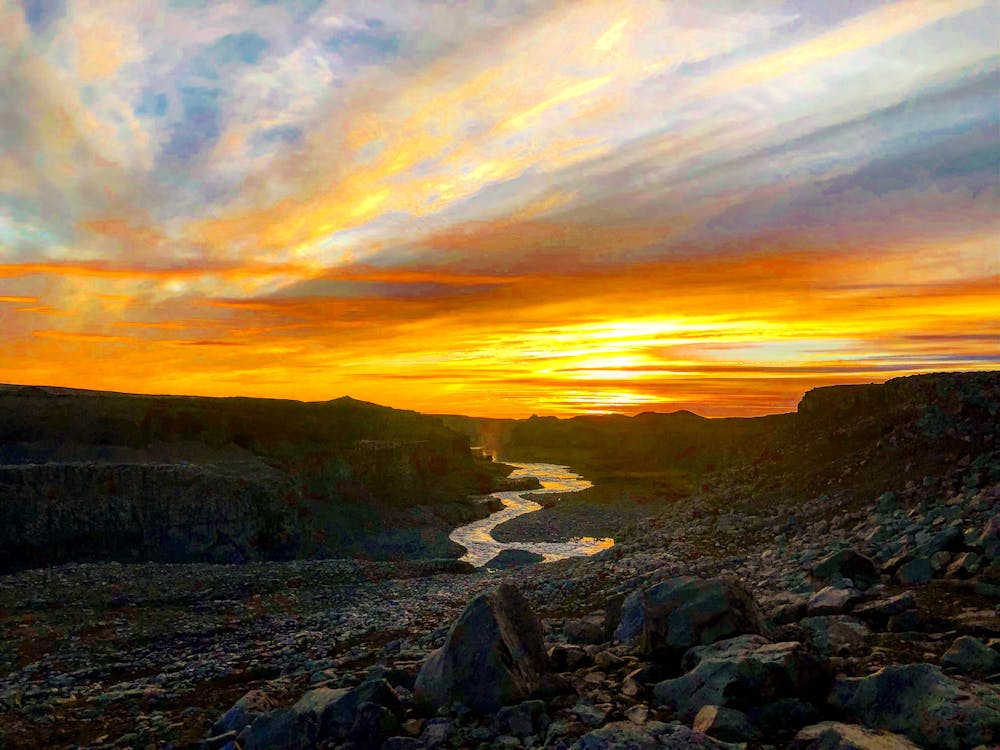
(897, 561)
(971, 656)
(878, 612)
(836, 635)
(683, 612)
(921, 702)
(832, 735)
(832, 601)
(585, 631)
(745, 673)
(846, 564)
(723, 723)
(372, 724)
(522, 720)
(950, 539)
(437, 733)
(630, 622)
(242, 713)
(567, 658)
(295, 728)
(989, 538)
(493, 655)
(916, 571)
(340, 715)
(787, 609)
(513, 558)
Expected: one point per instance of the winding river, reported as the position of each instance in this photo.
(476, 537)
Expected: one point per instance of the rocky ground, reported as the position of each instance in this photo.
(836, 621)
(600, 511)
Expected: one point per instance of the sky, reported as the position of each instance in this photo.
(498, 208)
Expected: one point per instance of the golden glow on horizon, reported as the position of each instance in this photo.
(542, 210)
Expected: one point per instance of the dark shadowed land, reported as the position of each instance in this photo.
(89, 475)
(772, 577)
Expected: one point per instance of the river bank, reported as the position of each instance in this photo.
(599, 511)
(555, 480)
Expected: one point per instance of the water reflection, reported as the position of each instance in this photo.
(477, 537)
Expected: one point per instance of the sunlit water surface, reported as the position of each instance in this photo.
(477, 537)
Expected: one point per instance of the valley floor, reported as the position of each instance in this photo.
(151, 655)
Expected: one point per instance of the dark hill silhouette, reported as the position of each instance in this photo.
(90, 475)
(862, 436)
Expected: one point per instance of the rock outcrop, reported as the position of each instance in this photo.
(684, 612)
(493, 655)
(92, 476)
(918, 701)
(765, 680)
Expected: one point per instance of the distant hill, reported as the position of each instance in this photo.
(858, 435)
(93, 475)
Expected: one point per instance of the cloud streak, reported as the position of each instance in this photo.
(499, 208)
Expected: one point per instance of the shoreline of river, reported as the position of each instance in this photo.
(477, 536)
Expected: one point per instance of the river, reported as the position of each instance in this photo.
(476, 537)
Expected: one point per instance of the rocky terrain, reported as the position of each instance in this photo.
(840, 607)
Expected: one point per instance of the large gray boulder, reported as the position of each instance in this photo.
(921, 702)
(878, 612)
(746, 673)
(325, 713)
(971, 656)
(832, 735)
(683, 612)
(493, 655)
(294, 728)
(629, 627)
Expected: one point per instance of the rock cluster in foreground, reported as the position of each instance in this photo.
(679, 656)
(491, 684)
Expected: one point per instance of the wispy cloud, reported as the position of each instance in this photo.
(499, 208)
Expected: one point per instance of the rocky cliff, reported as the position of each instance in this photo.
(859, 435)
(86, 476)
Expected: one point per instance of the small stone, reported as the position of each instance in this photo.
(607, 660)
(964, 565)
(638, 714)
(414, 727)
(589, 714)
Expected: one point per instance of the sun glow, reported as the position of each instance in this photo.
(499, 209)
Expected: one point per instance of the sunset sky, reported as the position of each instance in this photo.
(498, 208)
